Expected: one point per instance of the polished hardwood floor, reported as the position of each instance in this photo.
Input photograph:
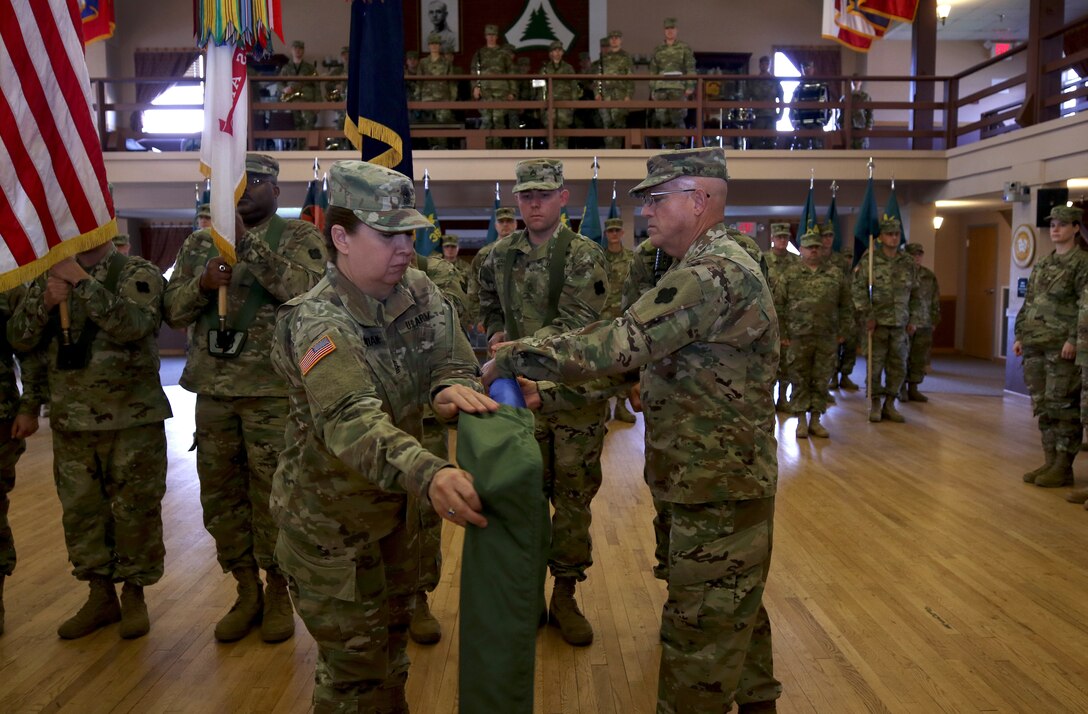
(913, 572)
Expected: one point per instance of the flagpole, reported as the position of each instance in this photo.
(868, 332)
(317, 167)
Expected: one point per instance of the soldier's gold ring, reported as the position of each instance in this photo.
(450, 513)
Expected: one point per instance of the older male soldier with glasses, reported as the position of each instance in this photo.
(705, 339)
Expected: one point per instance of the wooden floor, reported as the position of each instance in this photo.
(913, 572)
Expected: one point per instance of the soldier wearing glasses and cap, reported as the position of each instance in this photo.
(241, 403)
(705, 340)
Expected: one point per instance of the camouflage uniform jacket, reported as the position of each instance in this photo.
(302, 69)
(706, 340)
(648, 265)
(562, 90)
(336, 91)
(777, 265)
(617, 63)
(580, 303)
(619, 267)
(676, 58)
(119, 388)
(861, 118)
(32, 366)
(1054, 303)
(436, 91)
(765, 90)
(493, 60)
(812, 301)
(930, 296)
(895, 300)
(448, 279)
(295, 267)
(473, 290)
(355, 414)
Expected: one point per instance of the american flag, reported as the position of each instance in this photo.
(54, 198)
(317, 351)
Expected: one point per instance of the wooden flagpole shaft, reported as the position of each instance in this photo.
(869, 357)
(65, 323)
(223, 307)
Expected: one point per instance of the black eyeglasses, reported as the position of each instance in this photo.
(258, 180)
(652, 199)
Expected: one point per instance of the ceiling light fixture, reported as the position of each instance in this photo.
(938, 221)
(943, 11)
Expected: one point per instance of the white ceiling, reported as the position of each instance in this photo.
(1005, 20)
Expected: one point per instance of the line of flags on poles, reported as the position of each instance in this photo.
(856, 24)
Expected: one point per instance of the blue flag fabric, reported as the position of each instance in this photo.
(377, 106)
(427, 237)
(868, 223)
(892, 211)
(590, 226)
(808, 216)
(492, 229)
(614, 209)
(836, 225)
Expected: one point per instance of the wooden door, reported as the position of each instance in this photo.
(981, 304)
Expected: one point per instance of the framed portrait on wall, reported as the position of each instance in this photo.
(444, 18)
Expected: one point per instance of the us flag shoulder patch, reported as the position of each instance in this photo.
(318, 351)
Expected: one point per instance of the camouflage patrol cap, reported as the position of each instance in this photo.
(381, 198)
(120, 239)
(914, 249)
(205, 211)
(449, 239)
(669, 22)
(811, 239)
(505, 214)
(615, 33)
(613, 224)
(411, 54)
(555, 45)
(299, 44)
(604, 42)
(263, 165)
(523, 62)
(1067, 214)
(538, 175)
(826, 229)
(434, 39)
(889, 225)
(780, 229)
(491, 29)
(704, 163)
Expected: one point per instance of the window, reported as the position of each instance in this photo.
(179, 121)
(784, 69)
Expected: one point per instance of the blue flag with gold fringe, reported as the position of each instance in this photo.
(891, 210)
(590, 226)
(426, 238)
(377, 106)
(808, 216)
(868, 223)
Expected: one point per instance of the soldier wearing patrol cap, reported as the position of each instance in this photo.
(241, 402)
(779, 259)
(340, 492)
(671, 58)
(506, 222)
(204, 216)
(492, 59)
(617, 62)
(619, 259)
(813, 305)
(516, 302)
(450, 249)
(889, 315)
(1052, 358)
(706, 368)
(562, 90)
(921, 342)
(848, 350)
(122, 243)
(436, 65)
(300, 91)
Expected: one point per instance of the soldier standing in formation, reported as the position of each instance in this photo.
(450, 249)
(1046, 337)
(492, 59)
(563, 90)
(516, 302)
(710, 446)
(616, 62)
(765, 90)
(619, 260)
(929, 316)
(889, 316)
(18, 420)
(122, 243)
(366, 349)
(671, 58)
(861, 118)
(106, 411)
(813, 304)
(506, 222)
(204, 217)
(848, 350)
(435, 65)
(778, 259)
(300, 91)
(241, 403)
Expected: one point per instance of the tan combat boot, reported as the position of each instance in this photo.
(889, 412)
(816, 428)
(1051, 454)
(134, 619)
(424, 627)
(874, 410)
(564, 614)
(802, 426)
(622, 413)
(278, 621)
(101, 609)
(914, 395)
(1079, 495)
(1059, 474)
(782, 405)
(247, 610)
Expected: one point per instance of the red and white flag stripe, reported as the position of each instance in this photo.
(54, 198)
(223, 143)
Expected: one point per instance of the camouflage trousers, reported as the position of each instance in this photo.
(570, 446)
(562, 119)
(921, 343)
(1054, 385)
(848, 351)
(669, 118)
(111, 484)
(424, 525)
(811, 360)
(493, 118)
(614, 119)
(238, 440)
(715, 633)
(764, 123)
(437, 116)
(10, 451)
(889, 358)
(360, 623)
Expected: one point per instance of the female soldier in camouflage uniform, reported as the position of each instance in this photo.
(362, 353)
